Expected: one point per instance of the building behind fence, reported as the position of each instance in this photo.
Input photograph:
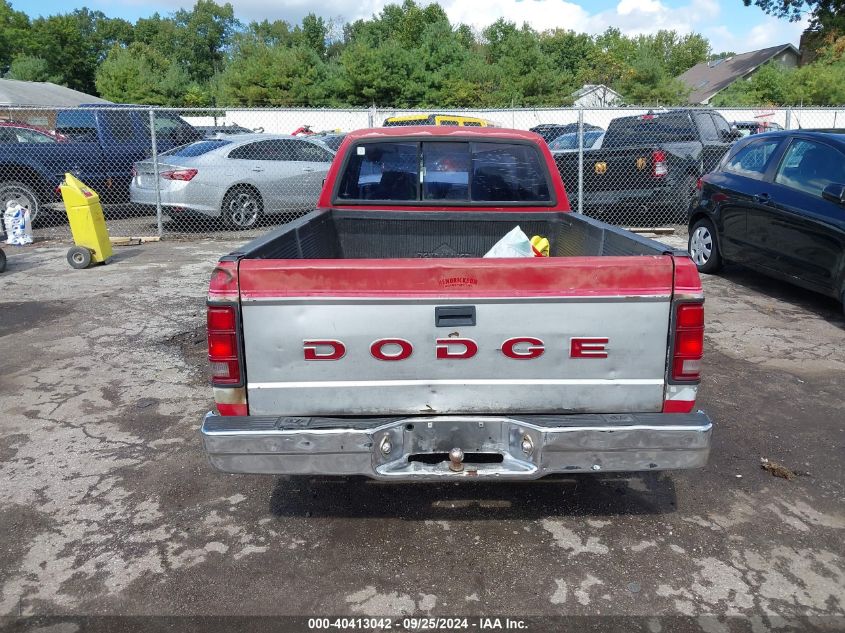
(154, 182)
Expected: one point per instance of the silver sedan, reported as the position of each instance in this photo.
(239, 178)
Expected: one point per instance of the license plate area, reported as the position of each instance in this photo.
(426, 447)
(441, 436)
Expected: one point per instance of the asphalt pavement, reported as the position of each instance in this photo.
(108, 507)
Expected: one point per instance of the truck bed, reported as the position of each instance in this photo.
(366, 234)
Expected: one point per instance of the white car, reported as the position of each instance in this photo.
(239, 178)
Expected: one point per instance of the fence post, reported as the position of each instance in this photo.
(371, 116)
(155, 171)
(580, 160)
(789, 118)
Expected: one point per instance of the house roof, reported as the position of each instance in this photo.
(708, 78)
(590, 88)
(42, 93)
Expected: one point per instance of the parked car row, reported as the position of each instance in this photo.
(98, 145)
(650, 162)
(109, 148)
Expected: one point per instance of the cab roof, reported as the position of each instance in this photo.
(441, 131)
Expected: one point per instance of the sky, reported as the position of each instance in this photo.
(728, 24)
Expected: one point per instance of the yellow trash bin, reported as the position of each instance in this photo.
(87, 224)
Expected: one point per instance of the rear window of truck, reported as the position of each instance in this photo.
(79, 125)
(650, 129)
(458, 172)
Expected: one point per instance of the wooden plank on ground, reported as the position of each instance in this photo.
(662, 230)
(133, 241)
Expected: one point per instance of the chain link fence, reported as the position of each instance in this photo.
(230, 172)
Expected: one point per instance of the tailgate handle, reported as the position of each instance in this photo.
(450, 316)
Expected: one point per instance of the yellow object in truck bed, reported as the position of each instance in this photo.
(87, 224)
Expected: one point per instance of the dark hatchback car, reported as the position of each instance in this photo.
(776, 203)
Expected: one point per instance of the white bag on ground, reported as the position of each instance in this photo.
(514, 244)
(18, 224)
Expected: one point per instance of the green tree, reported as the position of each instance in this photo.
(262, 75)
(158, 32)
(603, 67)
(477, 85)
(568, 53)
(101, 33)
(828, 15)
(610, 61)
(677, 53)
(408, 54)
(276, 33)
(770, 85)
(14, 34)
(140, 74)
(495, 36)
(202, 36)
(379, 75)
(403, 23)
(818, 84)
(313, 34)
(649, 83)
(58, 40)
(30, 68)
(527, 75)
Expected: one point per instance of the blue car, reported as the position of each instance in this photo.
(776, 203)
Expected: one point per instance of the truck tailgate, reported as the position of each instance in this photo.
(614, 170)
(392, 336)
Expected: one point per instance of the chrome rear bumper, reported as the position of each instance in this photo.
(415, 448)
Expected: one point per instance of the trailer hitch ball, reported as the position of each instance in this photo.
(527, 445)
(456, 460)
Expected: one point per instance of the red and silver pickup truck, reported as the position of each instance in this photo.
(371, 337)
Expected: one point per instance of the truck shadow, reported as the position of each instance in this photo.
(580, 495)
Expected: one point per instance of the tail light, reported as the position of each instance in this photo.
(134, 171)
(698, 184)
(688, 345)
(224, 341)
(179, 174)
(224, 346)
(658, 164)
